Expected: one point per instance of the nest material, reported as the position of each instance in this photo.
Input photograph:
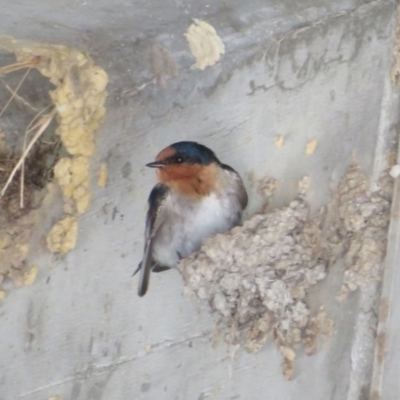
(256, 277)
(77, 95)
(21, 190)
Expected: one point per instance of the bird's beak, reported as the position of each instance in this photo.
(155, 164)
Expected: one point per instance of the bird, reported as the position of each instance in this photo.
(196, 196)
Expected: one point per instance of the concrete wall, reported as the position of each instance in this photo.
(305, 71)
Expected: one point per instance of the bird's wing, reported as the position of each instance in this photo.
(154, 219)
(241, 192)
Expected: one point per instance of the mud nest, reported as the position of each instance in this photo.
(255, 279)
(24, 94)
(54, 104)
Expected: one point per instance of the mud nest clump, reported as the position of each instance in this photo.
(256, 277)
(361, 233)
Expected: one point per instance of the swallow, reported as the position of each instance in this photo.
(196, 196)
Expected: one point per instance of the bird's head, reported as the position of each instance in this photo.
(185, 162)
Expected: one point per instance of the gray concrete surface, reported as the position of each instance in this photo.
(306, 70)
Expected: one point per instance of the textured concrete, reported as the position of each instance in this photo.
(310, 70)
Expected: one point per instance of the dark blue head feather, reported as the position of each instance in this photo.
(194, 153)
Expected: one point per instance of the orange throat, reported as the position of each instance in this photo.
(192, 180)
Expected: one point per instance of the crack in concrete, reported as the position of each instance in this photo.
(100, 369)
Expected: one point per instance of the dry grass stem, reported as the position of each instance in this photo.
(22, 185)
(20, 65)
(15, 92)
(41, 125)
(18, 97)
(29, 127)
(22, 176)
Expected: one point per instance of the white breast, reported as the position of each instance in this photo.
(187, 223)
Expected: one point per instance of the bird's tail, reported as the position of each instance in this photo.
(145, 269)
(137, 269)
(143, 281)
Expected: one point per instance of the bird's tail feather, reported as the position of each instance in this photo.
(137, 269)
(145, 269)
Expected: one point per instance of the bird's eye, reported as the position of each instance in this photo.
(179, 160)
